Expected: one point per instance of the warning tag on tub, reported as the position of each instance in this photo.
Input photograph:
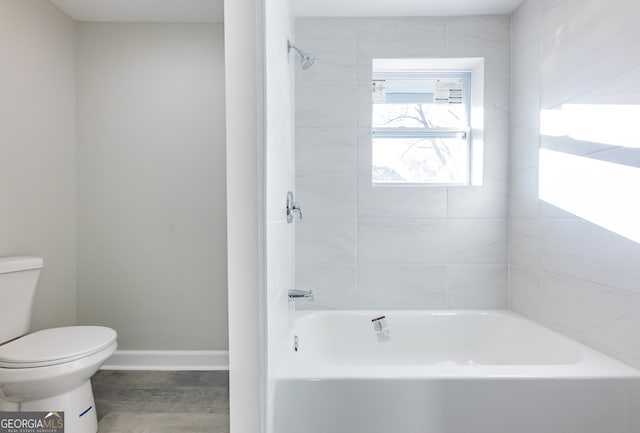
(381, 328)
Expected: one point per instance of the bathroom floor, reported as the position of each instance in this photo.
(162, 401)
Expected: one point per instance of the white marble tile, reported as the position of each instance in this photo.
(327, 196)
(477, 232)
(483, 36)
(525, 70)
(365, 104)
(621, 90)
(326, 150)
(524, 243)
(278, 327)
(405, 287)
(525, 64)
(524, 292)
(334, 287)
(406, 242)
(336, 28)
(619, 155)
(326, 104)
(485, 29)
(572, 52)
(547, 210)
(496, 155)
(276, 197)
(578, 249)
(525, 148)
(477, 241)
(400, 202)
(279, 170)
(325, 243)
(280, 260)
(336, 59)
(525, 103)
(398, 38)
(487, 201)
(402, 29)
(572, 146)
(596, 315)
(364, 151)
(497, 106)
(525, 24)
(477, 286)
(523, 193)
(574, 34)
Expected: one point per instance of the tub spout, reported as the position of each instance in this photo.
(300, 294)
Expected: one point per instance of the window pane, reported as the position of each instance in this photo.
(420, 160)
(419, 116)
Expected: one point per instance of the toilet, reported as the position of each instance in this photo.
(47, 370)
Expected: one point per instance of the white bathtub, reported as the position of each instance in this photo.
(448, 372)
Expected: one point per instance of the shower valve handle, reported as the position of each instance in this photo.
(292, 208)
(295, 208)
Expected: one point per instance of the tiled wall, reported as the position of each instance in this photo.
(395, 247)
(567, 272)
(279, 25)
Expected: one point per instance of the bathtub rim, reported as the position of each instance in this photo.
(594, 364)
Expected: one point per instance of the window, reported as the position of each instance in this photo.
(421, 127)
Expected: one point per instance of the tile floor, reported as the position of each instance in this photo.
(141, 401)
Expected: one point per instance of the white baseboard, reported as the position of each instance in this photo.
(193, 360)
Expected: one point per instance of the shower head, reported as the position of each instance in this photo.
(306, 59)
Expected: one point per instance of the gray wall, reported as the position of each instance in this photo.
(37, 150)
(151, 184)
(566, 271)
(393, 247)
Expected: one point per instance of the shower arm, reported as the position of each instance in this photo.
(290, 45)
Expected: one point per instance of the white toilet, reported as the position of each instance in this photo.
(48, 370)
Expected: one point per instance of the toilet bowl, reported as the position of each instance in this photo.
(47, 370)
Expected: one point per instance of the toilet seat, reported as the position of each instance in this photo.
(55, 346)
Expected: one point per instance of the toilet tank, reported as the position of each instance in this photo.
(18, 280)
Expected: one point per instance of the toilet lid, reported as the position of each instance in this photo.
(54, 346)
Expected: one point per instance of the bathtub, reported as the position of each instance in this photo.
(447, 372)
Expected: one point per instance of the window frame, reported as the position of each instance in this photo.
(426, 132)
